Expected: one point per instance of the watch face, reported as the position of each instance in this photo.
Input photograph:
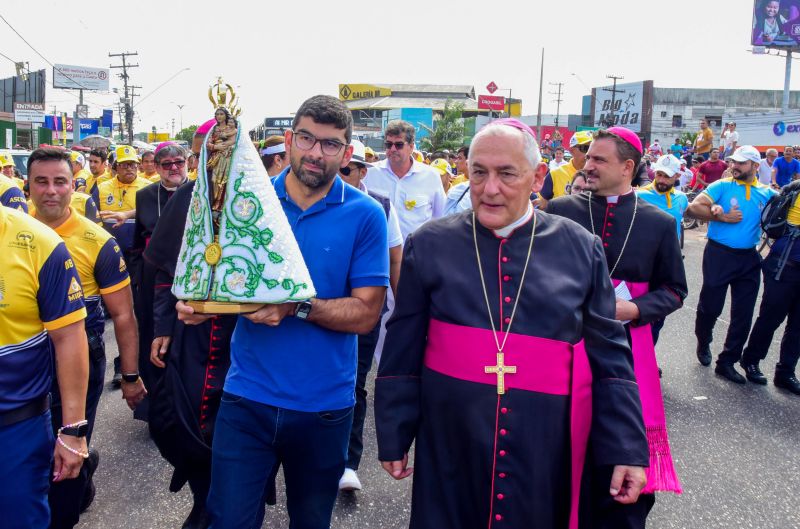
(130, 378)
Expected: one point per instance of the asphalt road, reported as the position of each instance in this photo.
(736, 451)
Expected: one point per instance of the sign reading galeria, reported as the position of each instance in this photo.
(351, 92)
(29, 112)
(80, 77)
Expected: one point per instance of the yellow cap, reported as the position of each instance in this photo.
(418, 156)
(6, 160)
(582, 137)
(441, 165)
(368, 150)
(126, 153)
(77, 157)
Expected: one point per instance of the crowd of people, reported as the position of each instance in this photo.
(530, 399)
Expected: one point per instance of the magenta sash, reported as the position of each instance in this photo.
(543, 366)
(661, 474)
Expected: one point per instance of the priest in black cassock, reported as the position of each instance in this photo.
(170, 160)
(504, 360)
(194, 360)
(646, 267)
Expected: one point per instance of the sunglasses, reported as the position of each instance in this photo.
(176, 163)
(396, 144)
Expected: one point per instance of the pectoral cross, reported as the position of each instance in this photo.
(500, 370)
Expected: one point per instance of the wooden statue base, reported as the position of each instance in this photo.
(215, 307)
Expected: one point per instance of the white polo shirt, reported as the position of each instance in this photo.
(417, 197)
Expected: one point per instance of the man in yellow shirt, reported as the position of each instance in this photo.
(80, 176)
(11, 195)
(561, 177)
(103, 275)
(462, 169)
(7, 167)
(149, 167)
(704, 140)
(98, 169)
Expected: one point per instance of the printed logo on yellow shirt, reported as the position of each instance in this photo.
(75, 292)
(24, 240)
(2, 292)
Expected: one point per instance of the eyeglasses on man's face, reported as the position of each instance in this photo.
(396, 144)
(169, 164)
(306, 141)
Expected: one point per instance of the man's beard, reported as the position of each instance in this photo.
(309, 179)
(663, 188)
(738, 175)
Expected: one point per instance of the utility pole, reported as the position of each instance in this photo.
(614, 92)
(557, 100)
(173, 127)
(128, 97)
(539, 112)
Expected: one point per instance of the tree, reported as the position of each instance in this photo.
(186, 134)
(447, 131)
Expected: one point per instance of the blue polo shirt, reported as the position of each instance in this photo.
(785, 170)
(751, 199)
(673, 202)
(299, 365)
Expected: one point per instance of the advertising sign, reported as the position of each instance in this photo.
(497, 103)
(29, 112)
(491, 87)
(83, 77)
(88, 127)
(278, 123)
(627, 106)
(776, 23)
(351, 92)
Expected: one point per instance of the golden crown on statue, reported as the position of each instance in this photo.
(222, 95)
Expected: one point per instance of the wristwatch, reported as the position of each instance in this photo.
(130, 378)
(303, 309)
(76, 431)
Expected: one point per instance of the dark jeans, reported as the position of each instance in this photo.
(251, 439)
(781, 299)
(66, 496)
(740, 270)
(27, 449)
(366, 351)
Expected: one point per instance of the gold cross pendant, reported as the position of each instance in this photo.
(500, 370)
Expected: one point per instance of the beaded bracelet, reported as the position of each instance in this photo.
(70, 449)
(73, 425)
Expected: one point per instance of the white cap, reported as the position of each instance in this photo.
(668, 165)
(746, 153)
(359, 153)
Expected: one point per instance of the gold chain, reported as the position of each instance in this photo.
(483, 283)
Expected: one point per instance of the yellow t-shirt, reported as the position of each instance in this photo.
(460, 179)
(705, 137)
(562, 177)
(192, 175)
(793, 217)
(113, 195)
(80, 202)
(11, 195)
(81, 180)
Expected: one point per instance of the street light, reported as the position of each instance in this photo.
(180, 109)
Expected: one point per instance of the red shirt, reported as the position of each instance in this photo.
(712, 171)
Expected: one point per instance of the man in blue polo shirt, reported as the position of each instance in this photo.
(733, 207)
(785, 169)
(290, 390)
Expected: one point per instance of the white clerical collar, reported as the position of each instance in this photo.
(613, 199)
(505, 232)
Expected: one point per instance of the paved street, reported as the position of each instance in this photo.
(736, 449)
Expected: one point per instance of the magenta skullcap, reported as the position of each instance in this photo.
(517, 124)
(164, 144)
(205, 127)
(629, 136)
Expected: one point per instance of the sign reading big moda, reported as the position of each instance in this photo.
(626, 105)
(80, 77)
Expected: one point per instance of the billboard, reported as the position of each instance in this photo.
(623, 107)
(776, 23)
(352, 92)
(80, 77)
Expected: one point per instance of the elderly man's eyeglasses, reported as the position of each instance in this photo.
(306, 141)
(175, 163)
(396, 144)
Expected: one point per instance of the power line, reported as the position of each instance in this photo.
(557, 100)
(129, 91)
(610, 118)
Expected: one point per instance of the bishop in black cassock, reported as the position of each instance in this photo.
(641, 250)
(503, 425)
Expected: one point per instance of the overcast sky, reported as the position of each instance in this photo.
(280, 53)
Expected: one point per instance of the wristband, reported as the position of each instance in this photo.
(78, 453)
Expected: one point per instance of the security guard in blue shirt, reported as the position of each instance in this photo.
(733, 207)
